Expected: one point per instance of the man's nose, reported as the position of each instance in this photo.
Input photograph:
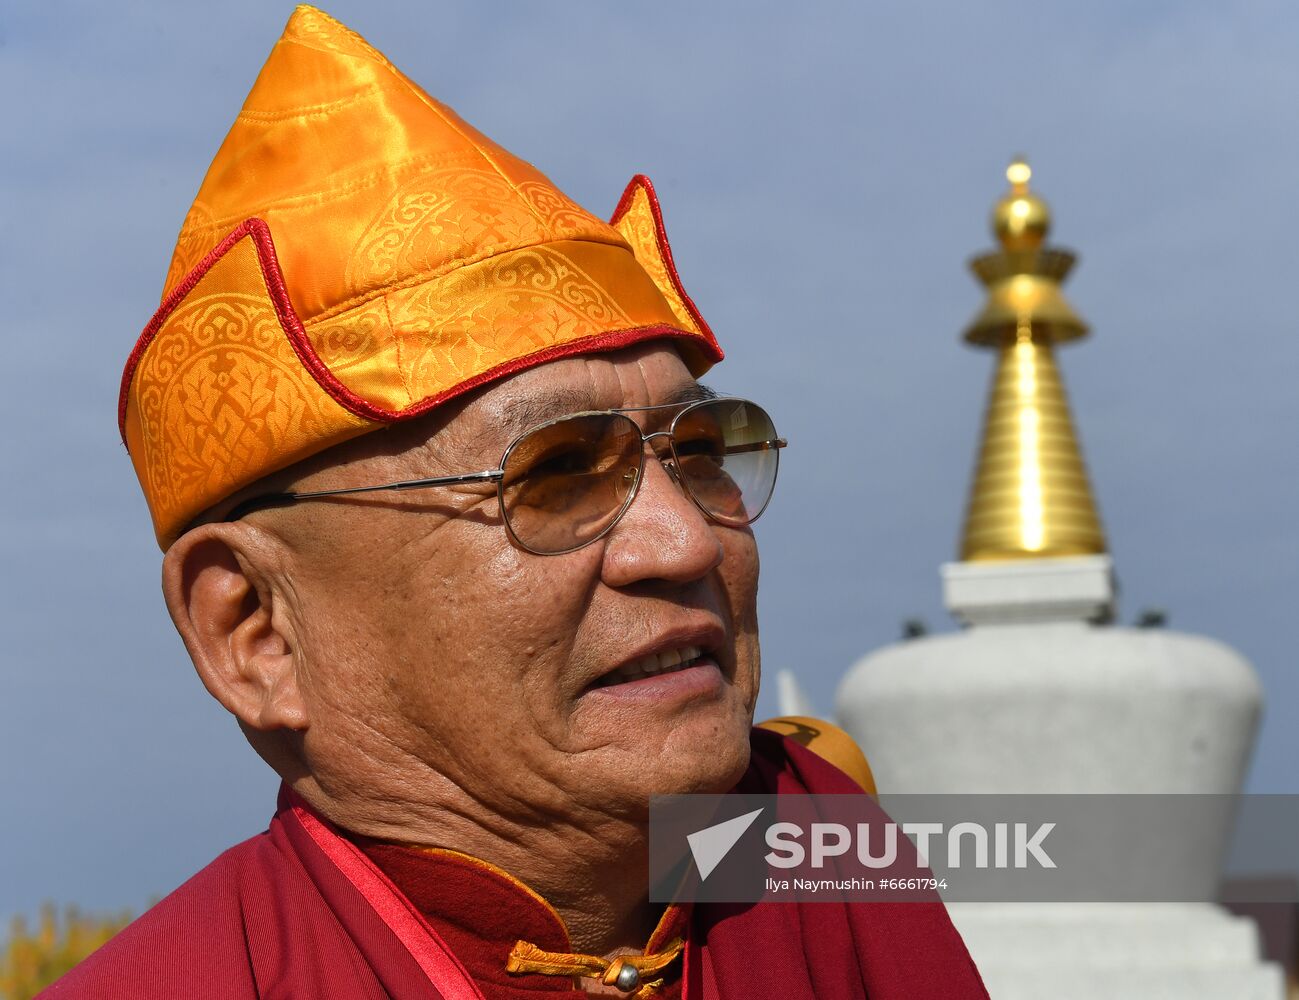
(663, 535)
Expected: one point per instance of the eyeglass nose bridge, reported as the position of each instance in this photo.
(646, 438)
(666, 457)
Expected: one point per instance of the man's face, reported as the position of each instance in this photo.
(433, 649)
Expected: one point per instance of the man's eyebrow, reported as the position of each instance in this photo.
(536, 408)
(691, 392)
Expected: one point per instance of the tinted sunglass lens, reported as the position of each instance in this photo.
(566, 482)
(727, 458)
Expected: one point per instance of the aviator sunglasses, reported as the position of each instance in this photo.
(566, 482)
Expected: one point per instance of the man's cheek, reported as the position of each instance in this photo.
(740, 576)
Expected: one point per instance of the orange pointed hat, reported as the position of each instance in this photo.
(357, 255)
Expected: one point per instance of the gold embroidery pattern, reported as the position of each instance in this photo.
(217, 397)
(565, 219)
(220, 399)
(420, 341)
(347, 343)
(507, 307)
(360, 349)
(437, 220)
(639, 229)
(192, 245)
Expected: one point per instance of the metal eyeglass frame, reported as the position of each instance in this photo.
(497, 475)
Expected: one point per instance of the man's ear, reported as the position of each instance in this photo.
(217, 582)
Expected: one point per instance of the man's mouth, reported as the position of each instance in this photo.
(654, 665)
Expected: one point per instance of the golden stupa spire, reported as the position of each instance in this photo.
(1030, 497)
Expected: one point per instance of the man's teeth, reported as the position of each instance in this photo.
(656, 663)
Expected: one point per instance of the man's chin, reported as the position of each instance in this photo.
(695, 759)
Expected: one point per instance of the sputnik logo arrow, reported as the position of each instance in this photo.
(713, 843)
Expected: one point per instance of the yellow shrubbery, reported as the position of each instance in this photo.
(31, 959)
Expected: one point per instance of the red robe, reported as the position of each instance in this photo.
(301, 911)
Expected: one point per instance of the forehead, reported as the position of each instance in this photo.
(635, 377)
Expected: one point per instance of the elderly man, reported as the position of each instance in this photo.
(455, 534)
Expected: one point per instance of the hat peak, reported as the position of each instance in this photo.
(311, 26)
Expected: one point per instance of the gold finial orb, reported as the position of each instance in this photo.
(1019, 173)
(1020, 220)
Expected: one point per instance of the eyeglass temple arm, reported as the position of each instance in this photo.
(773, 444)
(269, 500)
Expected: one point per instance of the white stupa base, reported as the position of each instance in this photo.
(1079, 588)
(1116, 951)
(1054, 707)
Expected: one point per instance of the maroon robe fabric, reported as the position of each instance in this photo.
(830, 951)
(302, 912)
(481, 912)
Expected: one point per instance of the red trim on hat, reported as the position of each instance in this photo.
(665, 251)
(273, 275)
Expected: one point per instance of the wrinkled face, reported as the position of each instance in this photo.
(432, 645)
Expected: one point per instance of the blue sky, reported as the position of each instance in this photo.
(825, 172)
